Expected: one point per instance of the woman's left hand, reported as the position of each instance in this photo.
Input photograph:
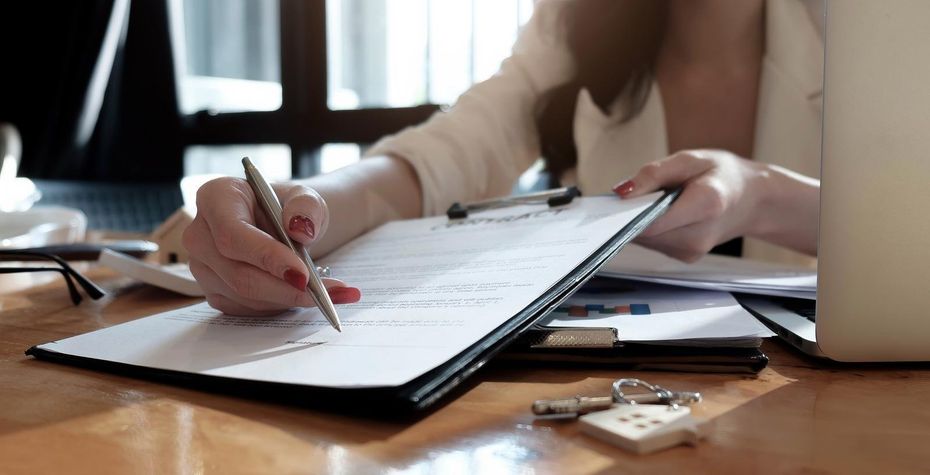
(722, 198)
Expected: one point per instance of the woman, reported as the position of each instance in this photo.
(603, 89)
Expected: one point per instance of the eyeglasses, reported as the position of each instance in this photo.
(68, 272)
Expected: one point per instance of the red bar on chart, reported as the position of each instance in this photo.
(577, 311)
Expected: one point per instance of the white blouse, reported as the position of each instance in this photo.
(479, 147)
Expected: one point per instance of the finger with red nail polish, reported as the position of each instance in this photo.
(297, 279)
(302, 225)
(344, 294)
(625, 188)
(305, 213)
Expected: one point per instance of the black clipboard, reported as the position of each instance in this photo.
(419, 394)
(600, 346)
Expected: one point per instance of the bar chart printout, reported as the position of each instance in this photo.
(646, 312)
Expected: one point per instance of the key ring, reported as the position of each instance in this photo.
(664, 396)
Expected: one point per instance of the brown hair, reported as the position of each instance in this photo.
(614, 43)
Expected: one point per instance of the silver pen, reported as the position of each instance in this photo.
(269, 203)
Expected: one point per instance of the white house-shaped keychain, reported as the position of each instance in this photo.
(644, 428)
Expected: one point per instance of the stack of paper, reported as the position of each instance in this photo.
(659, 314)
(713, 272)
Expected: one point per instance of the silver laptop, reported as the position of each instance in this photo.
(874, 255)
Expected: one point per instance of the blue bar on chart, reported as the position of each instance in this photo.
(639, 309)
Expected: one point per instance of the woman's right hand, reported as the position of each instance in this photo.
(241, 267)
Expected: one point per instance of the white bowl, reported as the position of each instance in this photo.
(41, 226)
(18, 194)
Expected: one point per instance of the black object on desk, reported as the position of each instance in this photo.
(133, 207)
(91, 251)
(586, 347)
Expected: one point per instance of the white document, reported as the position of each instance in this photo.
(644, 312)
(430, 289)
(713, 272)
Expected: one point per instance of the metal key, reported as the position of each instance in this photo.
(575, 405)
(582, 405)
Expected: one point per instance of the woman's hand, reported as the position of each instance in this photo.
(726, 196)
(241, 268)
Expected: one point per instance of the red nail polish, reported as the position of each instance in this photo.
(296, 279)
(344, 294)
(302, 224)
(624, 188)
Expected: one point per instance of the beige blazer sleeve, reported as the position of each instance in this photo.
(479, 147)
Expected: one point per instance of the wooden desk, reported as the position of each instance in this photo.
(794, 417)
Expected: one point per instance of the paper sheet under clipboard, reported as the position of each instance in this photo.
(658, 314)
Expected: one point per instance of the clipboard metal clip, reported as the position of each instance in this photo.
(554, 197)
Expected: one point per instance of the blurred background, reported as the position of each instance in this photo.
(117, 101)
